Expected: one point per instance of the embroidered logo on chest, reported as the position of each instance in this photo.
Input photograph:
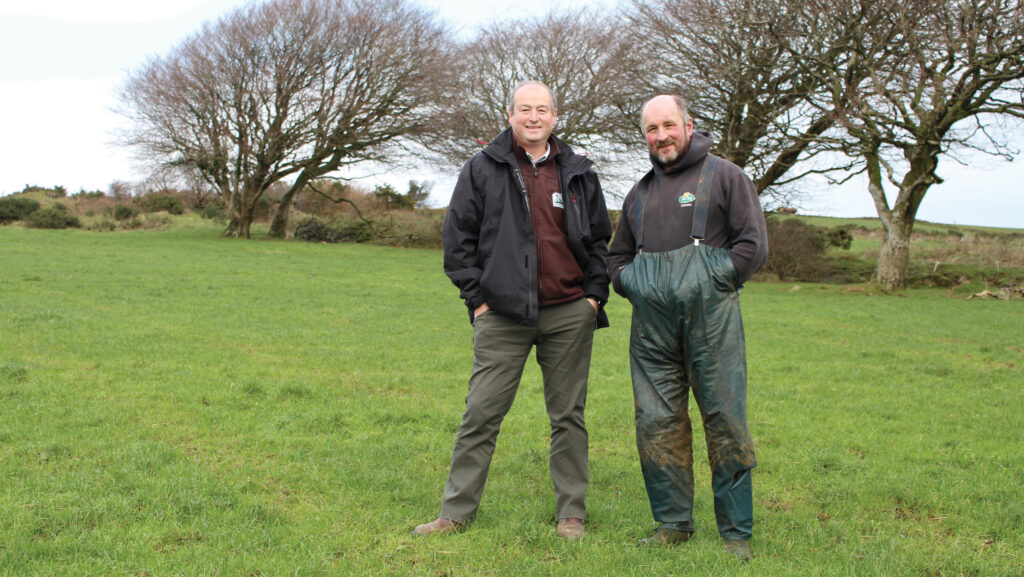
(687, 199)
(556, 200)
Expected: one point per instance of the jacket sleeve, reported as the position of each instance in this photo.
(596, 275)
(748, 233)
(460, 237)
(623, 246)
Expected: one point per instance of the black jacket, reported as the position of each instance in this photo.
(489, 247)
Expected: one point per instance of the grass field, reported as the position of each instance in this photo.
(173, 403)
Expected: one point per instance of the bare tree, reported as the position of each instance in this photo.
(287, 89)
(744, 86)
(577, 53)
(924, 80)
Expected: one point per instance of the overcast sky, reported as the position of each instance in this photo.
(64, 61)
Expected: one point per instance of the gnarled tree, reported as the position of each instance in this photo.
(286, 89)
(744, 86)
(924, 80)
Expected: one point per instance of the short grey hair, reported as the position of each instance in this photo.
(512, 101)
(680, 102)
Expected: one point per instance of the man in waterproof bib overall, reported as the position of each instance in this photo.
(692, 232)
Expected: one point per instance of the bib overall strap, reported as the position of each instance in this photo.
(638, 210)
(700, 206)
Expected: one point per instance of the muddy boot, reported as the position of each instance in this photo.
(664, 536)
(739, 549)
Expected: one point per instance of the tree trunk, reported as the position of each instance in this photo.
(894, 255)
(241, 213)
(283, 216)
(238, 228)
(234, 216)
(898, 221)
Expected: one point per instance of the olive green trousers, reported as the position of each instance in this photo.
(563, 339)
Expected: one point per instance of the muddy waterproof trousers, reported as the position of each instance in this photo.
(687, 333)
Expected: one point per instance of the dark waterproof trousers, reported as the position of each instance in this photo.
(687, 333)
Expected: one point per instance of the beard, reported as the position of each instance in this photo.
(672, 156)
(667, 159)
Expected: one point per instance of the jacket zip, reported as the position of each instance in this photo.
(526, 202)
(529, 218)
(522, 187)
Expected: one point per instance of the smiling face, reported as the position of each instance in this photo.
(668, 129)
(532, 117)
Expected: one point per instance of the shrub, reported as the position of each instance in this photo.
(314, 230)
(103, 225)
(264, 207)
(55, 192)
(391, 198)
(358, 230)
(125, 211)
(156, 202)
(214, 211)
(796, 250)
(407, 228)
(88, 194)
(154, 222)
(840, 237)
(14, 208)
(133, 223)
(54, 216)
(419, 228)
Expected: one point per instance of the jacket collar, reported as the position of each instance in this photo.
(502, 149)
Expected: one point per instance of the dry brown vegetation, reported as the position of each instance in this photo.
(948, 256)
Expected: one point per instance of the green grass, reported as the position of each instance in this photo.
(174, 403)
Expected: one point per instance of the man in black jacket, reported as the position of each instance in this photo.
(692, 232)
(525, 240)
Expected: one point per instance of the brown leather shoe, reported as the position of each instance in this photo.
(664, 536)
(571, 528)
(439, 526)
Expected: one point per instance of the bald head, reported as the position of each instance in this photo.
(662, 99)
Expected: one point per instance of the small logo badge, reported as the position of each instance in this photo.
(556, 200)
(687, 198)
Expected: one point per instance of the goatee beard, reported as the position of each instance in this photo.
(666, 162)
